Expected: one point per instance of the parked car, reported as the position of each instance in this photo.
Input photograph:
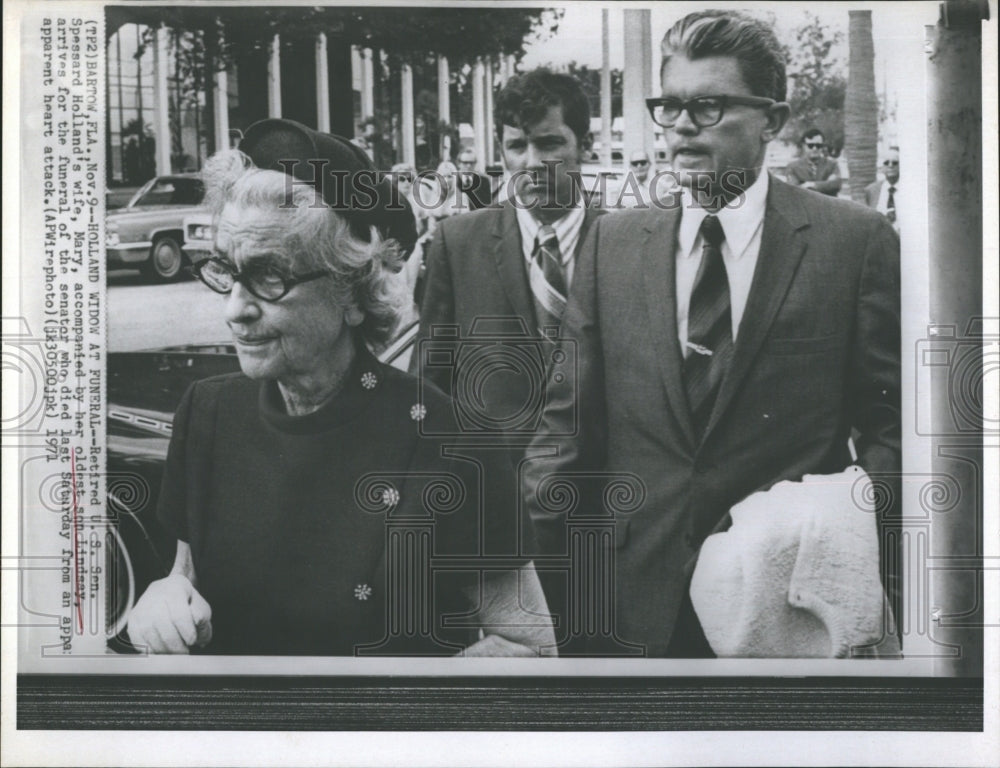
(144, 390)
(198, 236)
(148, 232)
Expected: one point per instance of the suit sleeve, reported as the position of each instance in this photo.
(875, 369)
(438, 306)
(571, 437)
(792, 175)
(871, 195)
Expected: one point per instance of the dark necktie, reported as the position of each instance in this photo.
(890, 204)
(710, 330)
(548, 281)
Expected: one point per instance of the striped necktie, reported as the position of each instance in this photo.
(548, 280)
(710, 330)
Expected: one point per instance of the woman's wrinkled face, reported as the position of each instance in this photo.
(295, 336)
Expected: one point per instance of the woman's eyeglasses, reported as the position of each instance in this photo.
(264, 281)
(704, 111)
(814, 145)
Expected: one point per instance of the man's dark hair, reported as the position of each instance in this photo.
(526, 98)
(728, 33)
(811, 134)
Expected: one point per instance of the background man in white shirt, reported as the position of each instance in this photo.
(881, 194)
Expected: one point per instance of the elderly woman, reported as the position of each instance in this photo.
(314, 511)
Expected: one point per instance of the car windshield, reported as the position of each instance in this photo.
(171, 190)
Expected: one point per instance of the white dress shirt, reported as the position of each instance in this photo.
(567, 231)
(742, 225)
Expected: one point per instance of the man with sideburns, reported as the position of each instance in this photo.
(728, 342)
(503, 272)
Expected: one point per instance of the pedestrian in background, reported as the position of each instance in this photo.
(881, 194)
(814, 170)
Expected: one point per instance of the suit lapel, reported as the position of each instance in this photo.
(590, 215)
(781, 249)
(509, 260)
(660, 291)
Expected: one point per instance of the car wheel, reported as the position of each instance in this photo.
(166, 260)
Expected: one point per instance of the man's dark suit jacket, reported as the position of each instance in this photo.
(817, 353)
(476, 271)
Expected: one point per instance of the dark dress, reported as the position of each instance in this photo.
(347, 531)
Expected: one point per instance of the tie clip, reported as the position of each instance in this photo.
(698, 348)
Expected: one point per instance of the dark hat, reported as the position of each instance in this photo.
(339, 170)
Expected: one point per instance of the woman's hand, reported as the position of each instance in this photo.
(494, 645)
(170, 617)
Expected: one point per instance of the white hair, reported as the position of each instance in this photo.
(318, 238)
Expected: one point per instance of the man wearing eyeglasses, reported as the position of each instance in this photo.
(726, 342)
(814, 170)
(636, 191)
(881, 194)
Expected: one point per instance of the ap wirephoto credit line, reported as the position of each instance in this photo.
(370, 355)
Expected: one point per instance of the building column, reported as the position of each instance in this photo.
(957, 349)
(638, 83)
(220, 109)
(322, 85)
(406, 115)
(606, 116)
(274, 79)
(479, 112)
(488, 159)
(161, 108)
(444, 104)
(367, 83)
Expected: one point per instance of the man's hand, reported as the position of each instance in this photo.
(170, 617)
(494, 645)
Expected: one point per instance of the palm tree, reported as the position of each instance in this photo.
(860, 105)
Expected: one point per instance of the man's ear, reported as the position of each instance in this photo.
(777, 116)
(353, 316)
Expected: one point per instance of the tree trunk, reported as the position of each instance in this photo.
(861, 106)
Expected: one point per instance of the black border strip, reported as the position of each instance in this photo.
(88, 702)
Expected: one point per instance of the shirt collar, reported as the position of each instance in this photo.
(567, 229)
(740, 219)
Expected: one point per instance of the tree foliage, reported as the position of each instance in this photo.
(590, 79)
(408, 35)
(211, 39)
(816, 83)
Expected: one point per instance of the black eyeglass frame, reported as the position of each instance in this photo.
(637, 163)
(724, 100)
(240, 277)
(809, 145)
